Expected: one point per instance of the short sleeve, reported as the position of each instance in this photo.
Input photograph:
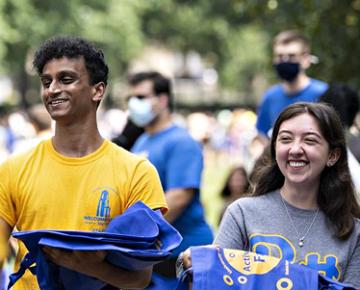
(145, 186)
(184, 165)
(231, 234)
(7, 207)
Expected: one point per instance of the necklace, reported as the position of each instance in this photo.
(301, 238)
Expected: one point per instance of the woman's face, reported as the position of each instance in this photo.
(302, 151)
(237, 184)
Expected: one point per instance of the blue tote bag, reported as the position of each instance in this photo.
(137, 239)
(216, 268)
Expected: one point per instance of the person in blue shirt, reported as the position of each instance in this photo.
(178, 159)
(291, 59)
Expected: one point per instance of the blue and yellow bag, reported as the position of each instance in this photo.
(214, 268)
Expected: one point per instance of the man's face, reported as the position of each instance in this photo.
(66, 90)
(145, 91)
(144, 105)
(291, 52)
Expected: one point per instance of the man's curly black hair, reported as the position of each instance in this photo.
(73, 47)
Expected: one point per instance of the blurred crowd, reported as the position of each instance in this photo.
(228, 136)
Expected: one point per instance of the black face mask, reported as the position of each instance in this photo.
(287, 71)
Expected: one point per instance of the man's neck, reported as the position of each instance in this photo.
(162, 122)
(77, 141)
(300, 83)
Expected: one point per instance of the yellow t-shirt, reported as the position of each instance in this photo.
(42, 189)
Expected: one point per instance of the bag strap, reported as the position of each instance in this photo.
(26, 263)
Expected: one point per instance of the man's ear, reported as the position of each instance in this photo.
(98, 92)
(306, 61)
(164, 99)
(333, 157)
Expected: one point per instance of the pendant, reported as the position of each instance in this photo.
(301, 242)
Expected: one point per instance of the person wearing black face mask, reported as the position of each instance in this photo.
(291, 59)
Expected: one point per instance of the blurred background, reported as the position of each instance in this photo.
(217, 52)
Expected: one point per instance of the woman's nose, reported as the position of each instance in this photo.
(296, 148)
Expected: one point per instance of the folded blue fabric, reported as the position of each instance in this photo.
(137, 239)
(32, 238)
(216, 268)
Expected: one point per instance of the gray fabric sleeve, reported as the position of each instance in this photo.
(231, 231)
(352, 273)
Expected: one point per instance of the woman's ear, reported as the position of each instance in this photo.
(98, 92)
(333, 157)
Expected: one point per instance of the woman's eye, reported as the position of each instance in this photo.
(310, 141)
(284, 139)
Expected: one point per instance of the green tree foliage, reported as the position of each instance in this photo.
(217, 29)
(233, 36)
(237, 49)
(333, 27)
(24, 24)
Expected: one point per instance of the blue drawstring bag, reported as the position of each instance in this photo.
(137, 239)
(216, 268)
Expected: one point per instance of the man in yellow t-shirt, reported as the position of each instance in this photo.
(76, 180)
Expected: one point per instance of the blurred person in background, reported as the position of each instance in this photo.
(345, 100)
(7, 136)
(178, 159)
(2, 279)
(63, 181)
(129, 135)
(291, 59)
(8, 258)
(354, 140)
(236, 185)
(41, 122)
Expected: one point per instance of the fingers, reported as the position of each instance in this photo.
(59, 255)
(186, 257)
(90, 256)
(53, 254)
(183, 262)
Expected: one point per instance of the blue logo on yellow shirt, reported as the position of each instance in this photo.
(99, 208)
(103, 208)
